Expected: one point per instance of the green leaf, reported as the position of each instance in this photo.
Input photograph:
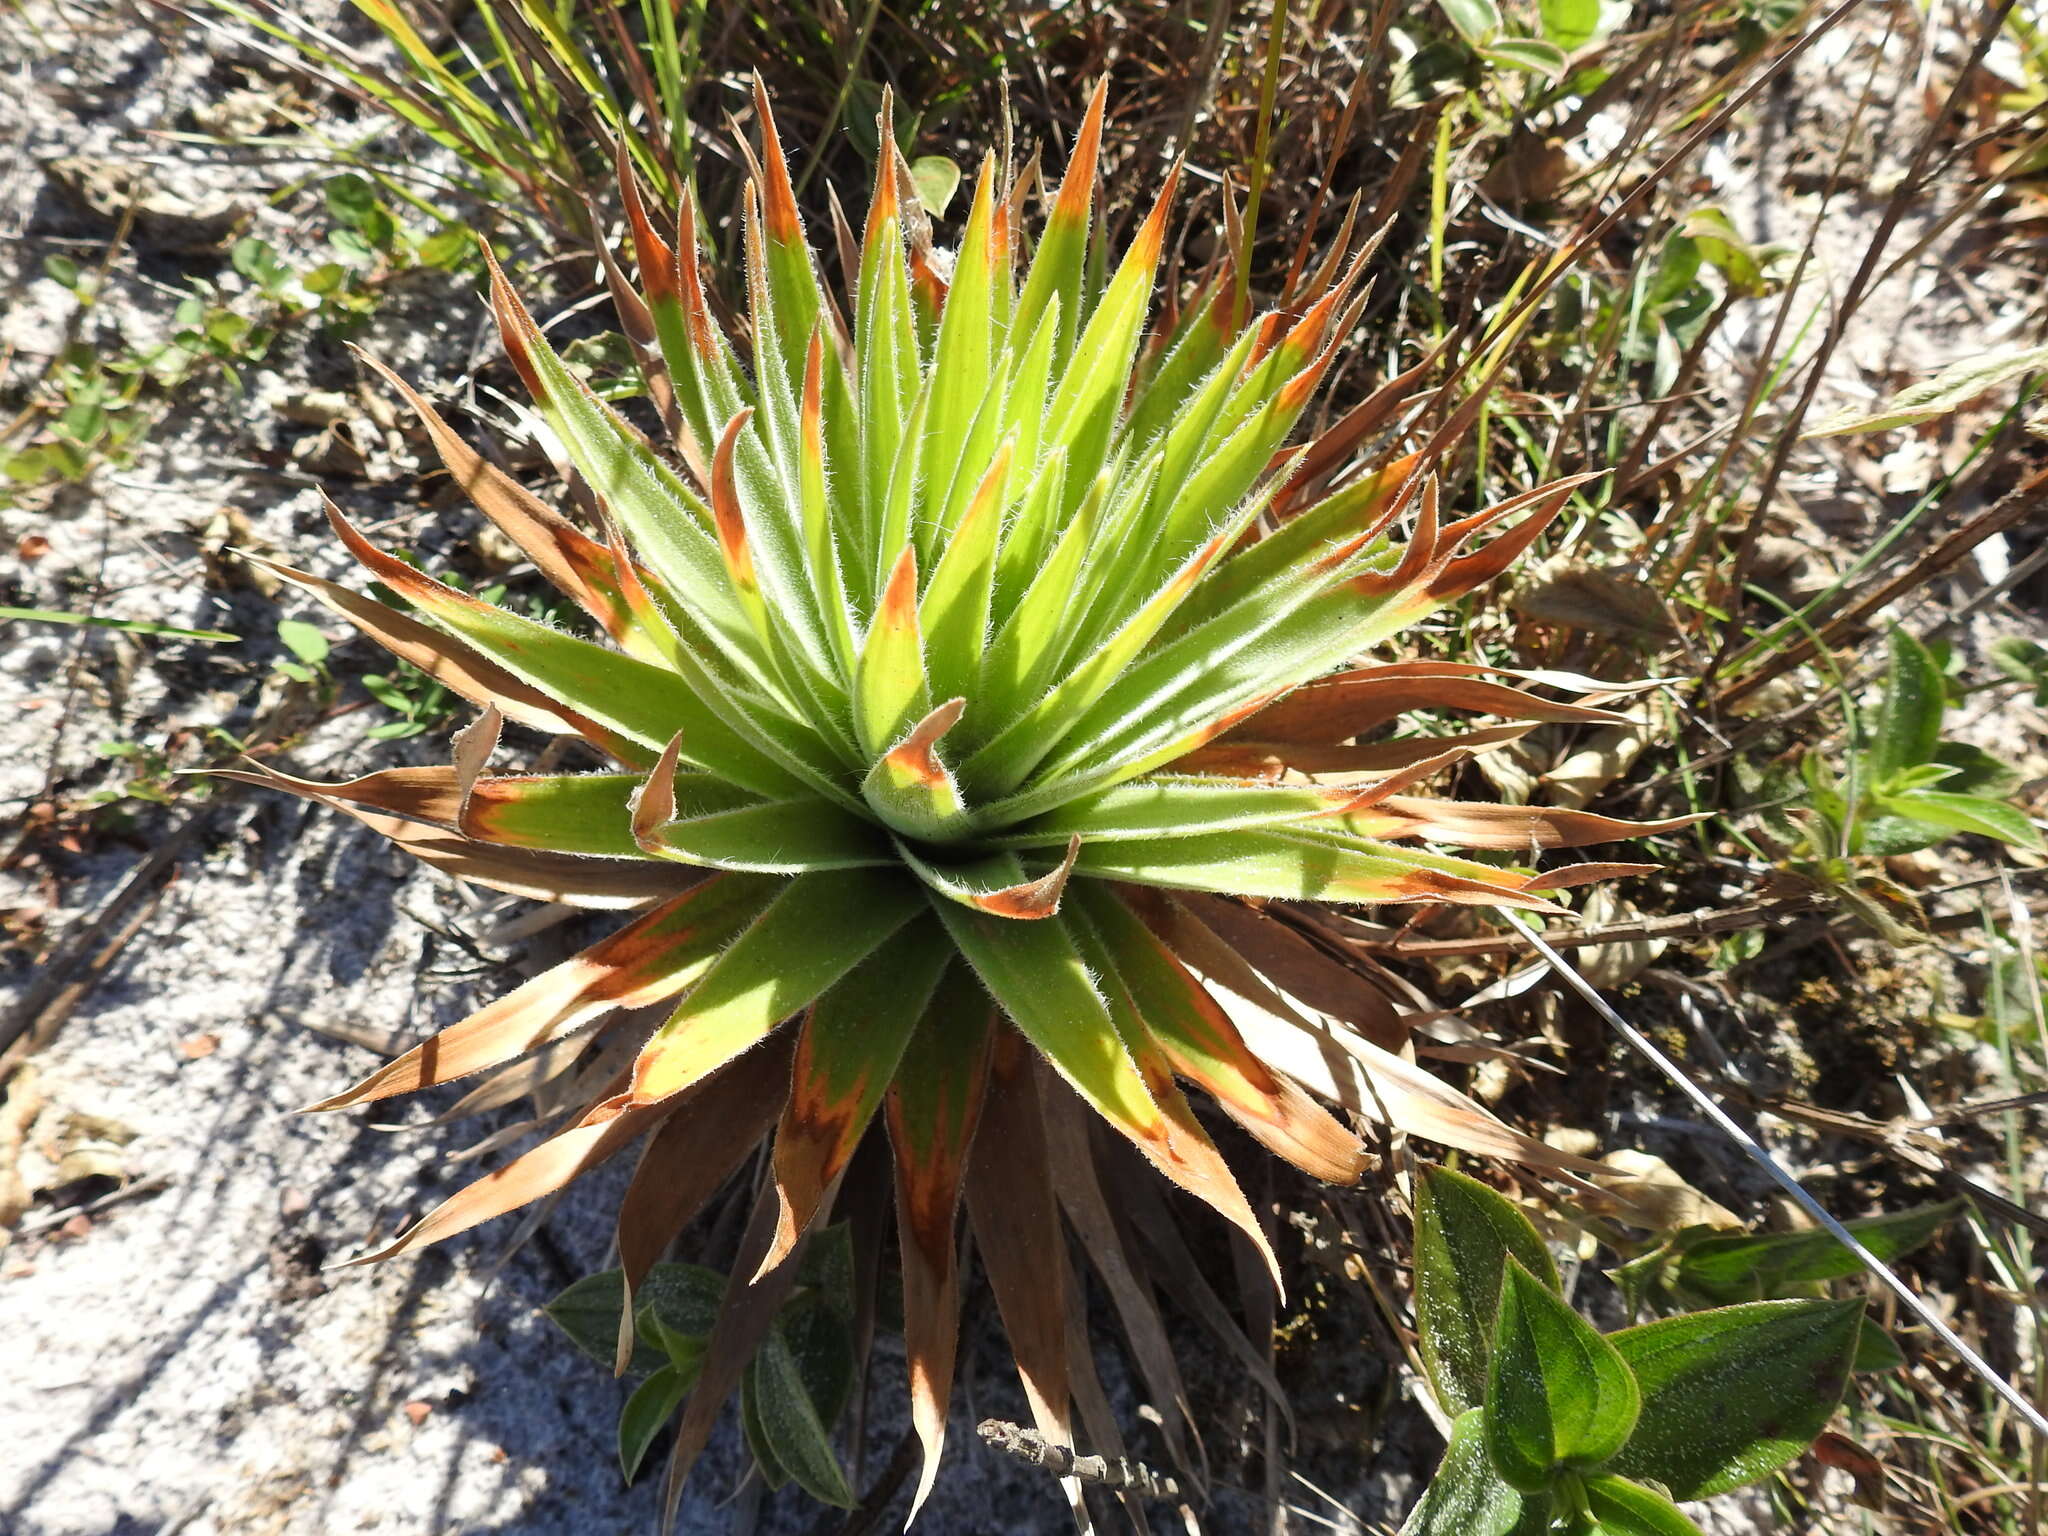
(1035, 971)
(794, 1429)
(645, 703)
(1909, 724)
(1975, 771)
(849, 1048)
(387, 692)
(1732, 1394)
(1907, 780)
(2023, 661)
(681, 1298)
(1570, 23)
(1531, 55)
(669, 525)
(651, 1406)
(84, 423)
(257, 260)
(1622, 1508)
(1087, 401)
(1950, 390)
(1466, 1496)
(1879, 837)
(1966, 813)
(449, 247)
(1063, 247)
(827, 1266)
(61, 270)
(1043, 726)
(1876, 1350)
(954, 613)
(1019, 665)
(1761, 1266)
(303, 641)
(1722, 247)
(910, 787)
(588, 1312)
(1477, 21)
(783, 837)
(586, 813)
(1181, 692)
(765, 1463)
(350, 197)
(1677, 274)
(967, 387)
(1559, 1397)
(685, 1351)
(936, 179)
(820, 927)
(1296, 865)
(129, 626)
(1464, 1235)
(1164, 806)
(890, 689)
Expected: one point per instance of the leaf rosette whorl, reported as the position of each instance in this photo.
(971, 643)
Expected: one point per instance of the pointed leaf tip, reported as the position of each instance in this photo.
(1077, 187)
(1034, 898)
(656, 257)
(516, 328)
(915, 753)
(882, 209)
(654, 803)
(725, 504)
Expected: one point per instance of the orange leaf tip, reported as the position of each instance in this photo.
(916, 755)
(1033, 899)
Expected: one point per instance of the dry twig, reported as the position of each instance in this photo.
(1118, 1473)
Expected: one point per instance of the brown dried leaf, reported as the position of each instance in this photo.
(1578, 595)
(1017, 1228)
(547, 1168)
(1602, 761)
(1293, 963)
(1349, 704)
(1067, 1130)
(625, 970)
(1653, 1195)
(1382, 1086)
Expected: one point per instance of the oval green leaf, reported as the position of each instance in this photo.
(1464, 1233)
(1559, 1397)
(652, 1405)
(1731, 1395)
(1622, 1508)
(1466, 1497)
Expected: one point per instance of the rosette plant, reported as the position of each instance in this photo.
(955, 663)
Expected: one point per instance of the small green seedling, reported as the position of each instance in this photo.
(1557, 1427)
(1902, 786)
(310, 648)
(795, 1388)
(2024, 661)
(416, 699)
(1906, 787)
